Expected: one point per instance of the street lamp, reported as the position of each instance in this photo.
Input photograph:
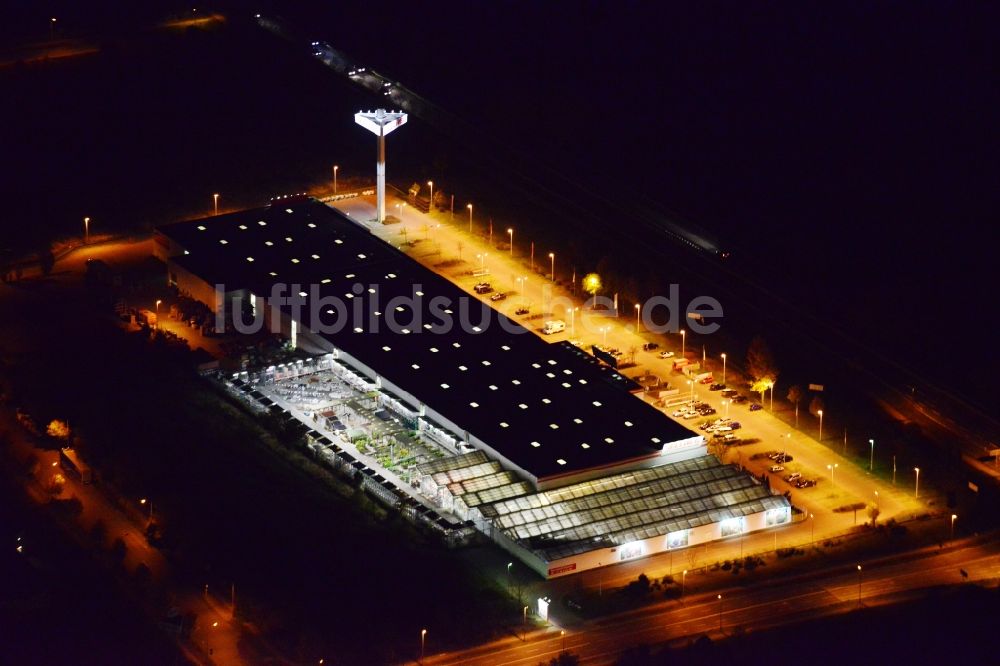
(832, 468)
(423, 637)
(953, 517)
(859, 586)
(158, 313)
(683, 341)
(638, 309)
(552, 261)
(215, 200)
(562, 635)
(871, 456)
(335, 169)
(820, 414)
(86, 230)
(430, 206)
(469, 206)
(723, 369)
(509, 565)
(683, 579)
(719, 597)
(916, 488)
(510, 232)
(52, 29)
(144, 501)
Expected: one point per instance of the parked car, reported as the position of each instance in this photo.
(483, 288)
(499, 296)
(729, 393)
(716, 387)
(650, 346)
(775, 468)
(730, 437)
(793, 476)
(755, 407)
(666, 354)
(739, 399)
(735, 425)
(523, 310)
(679, 413)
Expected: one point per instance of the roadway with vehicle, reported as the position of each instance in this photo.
(765, 605)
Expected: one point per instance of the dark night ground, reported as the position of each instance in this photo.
(844, 154)
(89, 151)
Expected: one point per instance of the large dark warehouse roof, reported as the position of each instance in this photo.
(547, 408)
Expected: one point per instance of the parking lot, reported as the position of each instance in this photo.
(530, 298)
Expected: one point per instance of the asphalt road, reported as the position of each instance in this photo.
(763, 606)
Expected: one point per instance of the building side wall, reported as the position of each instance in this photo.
(653, 546)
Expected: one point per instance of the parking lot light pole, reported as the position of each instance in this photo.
(916, 487)
(335, 170)
(683, 341)
(86, 231)
(552, 270)
(215, 201)
(812, 521)
(953, 518)
(638, 309)
(158, 313)
(510, 232)
(859, 586)
(683, 579)
(820, 414)
(469, 206)
(150, 502)
(423, 638)
(832, 468)
(871, 456)
(430, 206)
(723, 369)
(509, 565)
(719, 597)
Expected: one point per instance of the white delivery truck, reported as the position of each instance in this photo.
(554, 326)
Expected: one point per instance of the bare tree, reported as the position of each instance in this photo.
(760, 362)
(795, 397)
(816, 405)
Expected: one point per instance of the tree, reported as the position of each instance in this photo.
(760, 362)
(58, 430)
(564, 659)
(873, 512)
(47, 261)
(592, 283)
(816, 405)
(761, 386)
(795, 397)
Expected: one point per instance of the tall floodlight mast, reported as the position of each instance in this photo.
(380, 123)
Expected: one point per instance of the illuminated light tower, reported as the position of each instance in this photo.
(380, 123)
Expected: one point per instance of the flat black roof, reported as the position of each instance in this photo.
(548, 408)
